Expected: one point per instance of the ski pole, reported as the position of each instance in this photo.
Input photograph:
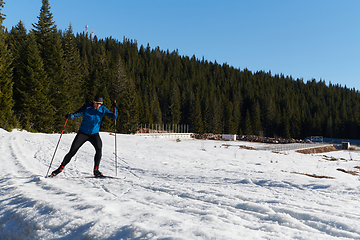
(115, 142)
(57, 146)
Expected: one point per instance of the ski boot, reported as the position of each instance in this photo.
(57, 171)
(97, 173)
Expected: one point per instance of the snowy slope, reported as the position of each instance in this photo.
(194, 189)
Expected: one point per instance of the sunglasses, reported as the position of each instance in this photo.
(98, 102)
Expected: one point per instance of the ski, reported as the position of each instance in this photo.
(51, 176)
(103, 177)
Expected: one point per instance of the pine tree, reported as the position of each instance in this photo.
(7, 120)
(248, 125)
(237, 113)
(207, 112)
(231, 125)
(49, 41)
(36, 112)
(155, 109)
(84, 45)
(195, 114)
(147, 115)
(126, 96)
(329, 127)
(17, 43)
(217, 120)
(73, 78)
(107, 124)
(175, 104)
(270, 117)
(257, 127)
(285, 124)
(72, 66)
(98, 71)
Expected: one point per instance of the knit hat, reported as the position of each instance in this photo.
(98, 99)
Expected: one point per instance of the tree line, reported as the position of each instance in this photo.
(46, 73)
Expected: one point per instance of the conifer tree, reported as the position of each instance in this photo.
(217, 115)
(98, 71)
(126, 96)
(175, 104)
(237, 113)
(36, 113)
(230, 122)
(73, 78)
(155, 109)
(195, 114)
(257, 128)
(107, 124)
(7, 119)
(207, 112)
(329, 127)
(17, 43)
(285, 124)
(147, 115)
(49, 41)
(270, 117)
(248, 125)
(72, 66)
(84, 45)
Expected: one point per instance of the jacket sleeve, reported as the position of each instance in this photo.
(78, 113)
(110, 114)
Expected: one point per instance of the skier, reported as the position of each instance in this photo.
(89, 131)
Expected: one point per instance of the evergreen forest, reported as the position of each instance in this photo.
(46, 73)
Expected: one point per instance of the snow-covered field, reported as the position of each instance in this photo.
(193, 189)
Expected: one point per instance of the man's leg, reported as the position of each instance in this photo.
(97, 143)
(79, 140)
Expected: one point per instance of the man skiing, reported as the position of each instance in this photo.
(89, 131)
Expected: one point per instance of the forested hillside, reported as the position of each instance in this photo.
(46, 72)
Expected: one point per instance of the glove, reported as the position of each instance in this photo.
(115, 105)
(67, 115)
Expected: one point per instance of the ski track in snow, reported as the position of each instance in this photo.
(188, 190)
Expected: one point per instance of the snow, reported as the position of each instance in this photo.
(192, 189)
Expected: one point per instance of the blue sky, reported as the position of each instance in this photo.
(307, 39)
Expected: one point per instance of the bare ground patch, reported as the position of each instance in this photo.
(355, 173)
(240, 146)
(317, 150)
(313, 175)
(246, 147)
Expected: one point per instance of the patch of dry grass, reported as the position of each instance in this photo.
(317, 150)
(240, 146)
(355, 173)
(313, 175)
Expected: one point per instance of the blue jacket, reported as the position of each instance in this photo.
(91, 117)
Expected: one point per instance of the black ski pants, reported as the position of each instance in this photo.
(79, 140)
